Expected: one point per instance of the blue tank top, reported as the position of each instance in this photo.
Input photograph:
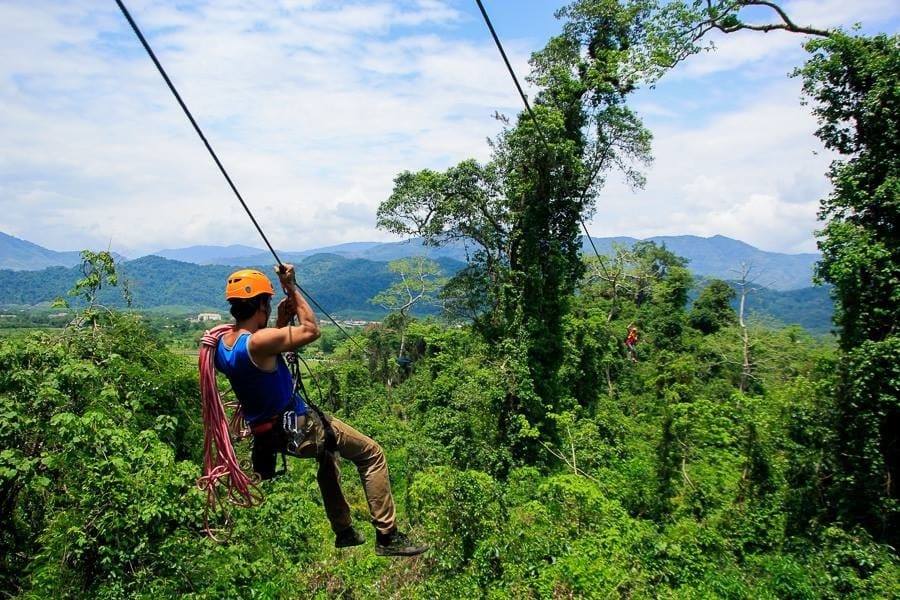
(262, 394)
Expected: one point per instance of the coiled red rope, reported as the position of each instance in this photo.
(223, 479)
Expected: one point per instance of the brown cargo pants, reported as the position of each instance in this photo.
(359, 449)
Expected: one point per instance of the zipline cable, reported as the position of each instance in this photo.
(537, 124)
(190, 117)
(215, 157)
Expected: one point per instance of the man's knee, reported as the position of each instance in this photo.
(377, 455)
(372, 454)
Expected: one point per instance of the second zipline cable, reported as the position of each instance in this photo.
(537, 124)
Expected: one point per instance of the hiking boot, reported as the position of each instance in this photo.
(348, 537)
(396, 544)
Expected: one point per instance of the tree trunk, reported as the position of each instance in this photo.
(745, 345)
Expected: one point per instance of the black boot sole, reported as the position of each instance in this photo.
(387, 551)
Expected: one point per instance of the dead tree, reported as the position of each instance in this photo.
(746, 285)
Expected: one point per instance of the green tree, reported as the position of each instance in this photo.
(521, 212)
(712, 308)
(99, 270)
(852, 83)
(419, 281)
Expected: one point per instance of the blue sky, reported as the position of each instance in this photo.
(314, 106)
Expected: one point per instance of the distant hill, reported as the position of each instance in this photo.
(719, 256)
(202, 255)
(376, 251)
(342, 285)
(716, 256)
(17, 254)
(811, 307)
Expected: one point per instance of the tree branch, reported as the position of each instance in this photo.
(575, 469)
(786, 23)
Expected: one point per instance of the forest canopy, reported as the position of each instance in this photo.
(541, 448)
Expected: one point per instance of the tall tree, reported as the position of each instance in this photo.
(853, 84)
(851, 81)
(521, 212)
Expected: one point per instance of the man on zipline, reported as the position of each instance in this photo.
(250, 356)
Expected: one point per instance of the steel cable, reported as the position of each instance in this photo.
(215, 157)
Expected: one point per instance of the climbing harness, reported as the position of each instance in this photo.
(293, 360)
(291, 429)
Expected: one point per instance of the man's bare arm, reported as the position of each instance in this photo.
(285, 337)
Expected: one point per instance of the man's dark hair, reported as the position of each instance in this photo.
(244, 308)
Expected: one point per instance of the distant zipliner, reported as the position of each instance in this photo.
(631, 341)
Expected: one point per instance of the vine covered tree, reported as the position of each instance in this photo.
(852, 83)
(521, 212)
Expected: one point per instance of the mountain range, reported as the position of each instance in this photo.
(342, 285)
(716, 256)
(344, 278)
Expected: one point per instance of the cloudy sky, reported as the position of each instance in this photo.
(315, 105)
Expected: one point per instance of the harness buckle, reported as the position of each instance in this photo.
(289, 424)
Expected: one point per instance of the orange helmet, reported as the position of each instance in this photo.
(247, 283)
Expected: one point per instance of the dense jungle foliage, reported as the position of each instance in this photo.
(536, 453)
(664, 482)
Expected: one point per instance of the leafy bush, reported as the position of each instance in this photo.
(456, 509)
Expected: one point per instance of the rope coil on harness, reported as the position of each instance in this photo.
(221, 469)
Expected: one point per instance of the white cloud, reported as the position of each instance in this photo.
(754, 173)
(314, 106)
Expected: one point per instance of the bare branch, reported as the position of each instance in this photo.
(786, 23)
(574, 468)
